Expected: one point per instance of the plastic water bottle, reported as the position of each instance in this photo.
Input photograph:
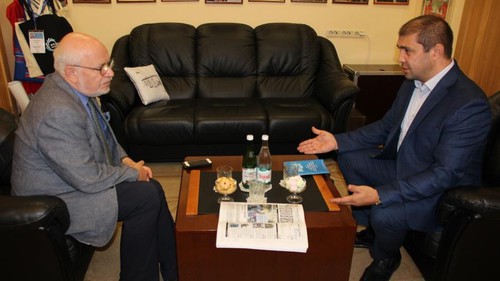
(264, 168)
(249, 165)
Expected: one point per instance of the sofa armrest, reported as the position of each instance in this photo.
(479, 201)
(123, 96)
(333, 88)
(21, 214)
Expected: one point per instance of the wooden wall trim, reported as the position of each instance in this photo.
(5, 97)
(477, 43)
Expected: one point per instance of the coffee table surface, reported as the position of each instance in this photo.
(331, 239)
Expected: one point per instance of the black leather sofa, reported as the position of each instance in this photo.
(226, 80)
(468, 247)
(33, 244)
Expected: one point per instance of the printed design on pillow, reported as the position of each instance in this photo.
(147, 83)
(152, 81)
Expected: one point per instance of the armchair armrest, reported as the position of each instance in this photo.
(480, 201)
(32, 213)
(33, 241)
(333, 88)
(468, 249)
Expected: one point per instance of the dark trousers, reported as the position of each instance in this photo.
(388, 222)
(148, 238)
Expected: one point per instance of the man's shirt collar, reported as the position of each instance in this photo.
(431, 83)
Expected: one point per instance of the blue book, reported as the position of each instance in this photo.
(309, 167)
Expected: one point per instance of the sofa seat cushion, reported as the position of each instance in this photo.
(290, 119)
(229, 120)
(162, 123)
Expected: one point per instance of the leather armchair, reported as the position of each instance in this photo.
(33, 244)
(468, 246)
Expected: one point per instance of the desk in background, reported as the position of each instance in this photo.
(379, 84)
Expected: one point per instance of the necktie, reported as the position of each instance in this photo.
(100, 133)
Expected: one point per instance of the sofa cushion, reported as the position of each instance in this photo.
(290, 71)
(148, 83)
(226, 121)
(226, 61)
(162, 123)
(171, 48)
(290, 120)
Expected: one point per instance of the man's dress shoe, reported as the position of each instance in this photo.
(364, 238)
(381, 269)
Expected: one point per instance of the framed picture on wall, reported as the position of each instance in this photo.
(273, 1)
(310, 1)
(436, 7)
(92, 1)
(391, 2)
(350, 1)
(223, 1)
(135, 1)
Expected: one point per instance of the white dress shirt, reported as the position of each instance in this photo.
(420, 94)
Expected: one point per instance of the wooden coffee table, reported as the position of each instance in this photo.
(331, 238)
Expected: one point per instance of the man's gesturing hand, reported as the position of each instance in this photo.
(362, 195)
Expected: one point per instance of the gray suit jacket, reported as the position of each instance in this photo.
(57, 152)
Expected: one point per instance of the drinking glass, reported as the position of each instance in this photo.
(225, 184)
(293, 182)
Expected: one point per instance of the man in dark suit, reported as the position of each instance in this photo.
(65, 147)
(431, 140)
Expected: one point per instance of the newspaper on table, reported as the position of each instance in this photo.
(265, 226)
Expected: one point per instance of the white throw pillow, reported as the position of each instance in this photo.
(148, 83)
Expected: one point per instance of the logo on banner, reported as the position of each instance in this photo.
(50, 44)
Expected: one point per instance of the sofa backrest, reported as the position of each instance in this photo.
(171, 48)
(226, 60)
(219, 60)
(287, 59)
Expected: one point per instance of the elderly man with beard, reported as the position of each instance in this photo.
(65, 147)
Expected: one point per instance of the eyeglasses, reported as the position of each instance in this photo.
(103, 69)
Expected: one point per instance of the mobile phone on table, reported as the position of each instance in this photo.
(191, 164)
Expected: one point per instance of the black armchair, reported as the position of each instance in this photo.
(33, 244)
(468, 246)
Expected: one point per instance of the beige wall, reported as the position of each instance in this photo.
(108, 22)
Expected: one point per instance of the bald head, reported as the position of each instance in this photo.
(83, 62)
(74, 49)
